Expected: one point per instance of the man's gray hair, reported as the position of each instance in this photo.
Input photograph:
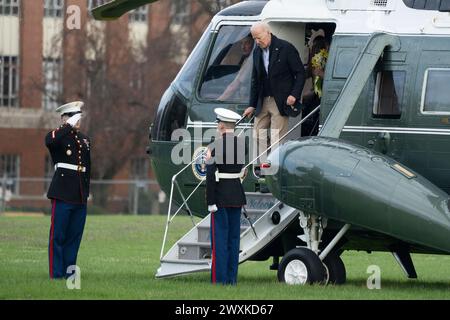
(260, 24)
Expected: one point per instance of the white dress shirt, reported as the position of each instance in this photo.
(266, 59)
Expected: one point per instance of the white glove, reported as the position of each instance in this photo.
(74, 119)
(212, 208)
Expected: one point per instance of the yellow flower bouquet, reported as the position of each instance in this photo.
(318, 62)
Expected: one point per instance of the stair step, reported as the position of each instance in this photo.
(186, 261)
(204, 234)
(199, 244)
(257, 211)
(194, 250)
(207, 228)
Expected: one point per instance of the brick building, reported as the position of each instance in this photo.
(38, 58)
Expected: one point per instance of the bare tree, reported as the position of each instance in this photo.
(121, 85)
(211, 7)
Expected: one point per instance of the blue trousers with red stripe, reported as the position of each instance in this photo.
(225, 236)
(66, 231)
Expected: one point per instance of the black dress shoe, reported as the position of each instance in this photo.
(275, 264)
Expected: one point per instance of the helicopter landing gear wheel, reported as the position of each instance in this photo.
(301, 266)
(335, 268)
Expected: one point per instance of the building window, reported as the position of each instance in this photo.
(9, 81)
(139, 168)
(180, 12)
(49, 171)
(52, 81)
(435, 93)
(53, 8)
(389, 89)
(9, 7)
(91, 4)
(139, 15)
(9, 169)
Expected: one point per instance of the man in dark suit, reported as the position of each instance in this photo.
(69, 189)
(277, 83)
(225, 197)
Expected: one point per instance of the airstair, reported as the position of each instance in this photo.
(264, 219)
(192, 253)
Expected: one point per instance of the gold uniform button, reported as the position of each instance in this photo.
(69, 152)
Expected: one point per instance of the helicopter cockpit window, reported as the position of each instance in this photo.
(186, 77)
(389, 89)
(228, 74)
(435, 95)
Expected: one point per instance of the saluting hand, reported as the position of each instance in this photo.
(73, 120)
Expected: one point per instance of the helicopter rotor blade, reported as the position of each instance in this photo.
(115, 9)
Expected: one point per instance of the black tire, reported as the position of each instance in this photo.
(307, 260)
(336, 268)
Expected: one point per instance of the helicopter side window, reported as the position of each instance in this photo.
(389, 89)
(228, 74)
(435, 94)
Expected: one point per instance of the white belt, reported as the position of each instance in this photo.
(70, 167)
(229, 175)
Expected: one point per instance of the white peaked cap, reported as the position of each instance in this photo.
(225, 115)
(70, 107)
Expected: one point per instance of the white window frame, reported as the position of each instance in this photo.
(12, 96)
(138, 166)
(53, 8)
(14, 5)
(91, 4)
(424, 88)
(6, 158)
(139, 15)
(182, 17)
(53, 85)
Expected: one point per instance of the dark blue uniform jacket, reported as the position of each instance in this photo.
(67, 145)
(226, 192)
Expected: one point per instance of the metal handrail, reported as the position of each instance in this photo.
(173, 182)
(185, 200)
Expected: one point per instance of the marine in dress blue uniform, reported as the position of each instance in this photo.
(69, 189)
(225, 197)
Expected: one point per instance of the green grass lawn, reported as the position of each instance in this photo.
(119, 256)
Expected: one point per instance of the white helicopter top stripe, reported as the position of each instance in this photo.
(363, 16)
(430, 131)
